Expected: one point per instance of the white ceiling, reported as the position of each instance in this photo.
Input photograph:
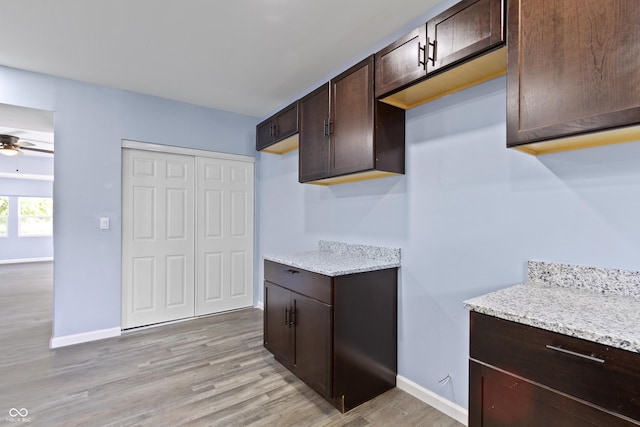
(245, 56)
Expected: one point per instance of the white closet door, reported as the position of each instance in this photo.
(157, 237)
(224, 238)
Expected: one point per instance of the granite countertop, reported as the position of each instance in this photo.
(337, 258)
(591, 307)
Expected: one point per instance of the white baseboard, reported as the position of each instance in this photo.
(443, 405)
(23, 260)
(84, 337)
(259, 305)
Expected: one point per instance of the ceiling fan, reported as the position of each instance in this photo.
(11, 146)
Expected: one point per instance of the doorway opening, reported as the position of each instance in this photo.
(26, 223)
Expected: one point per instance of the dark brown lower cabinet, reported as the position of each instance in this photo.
(337, 334)
(525, 376)
(503, 400)
(298, 331)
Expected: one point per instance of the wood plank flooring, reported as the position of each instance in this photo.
(211, 371)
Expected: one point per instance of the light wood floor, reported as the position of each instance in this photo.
(211, 371)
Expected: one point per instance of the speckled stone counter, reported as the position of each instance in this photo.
(337, 258)
(596, 304)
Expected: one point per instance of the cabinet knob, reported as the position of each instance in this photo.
(290, 271)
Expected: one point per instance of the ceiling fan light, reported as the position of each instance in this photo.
(9, 151)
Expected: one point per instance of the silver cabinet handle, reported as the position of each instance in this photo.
(573, 353)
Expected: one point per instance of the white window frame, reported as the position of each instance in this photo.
(20, 217)
(5, 218)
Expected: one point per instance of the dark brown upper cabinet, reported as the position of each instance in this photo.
(314, 136)
(345, 135)
(467, 41)
(573, 74)
(279, 133)
(401, 63)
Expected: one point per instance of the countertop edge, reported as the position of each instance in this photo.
(610, 339)
(332, 273)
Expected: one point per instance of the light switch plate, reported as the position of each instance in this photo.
(104, 223)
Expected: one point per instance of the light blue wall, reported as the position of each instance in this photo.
(468, 214)
(90, 122)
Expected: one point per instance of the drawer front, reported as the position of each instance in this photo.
(497, 399)
(313, 285)
(605, 376)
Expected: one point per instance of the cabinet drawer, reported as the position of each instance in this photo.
(304, 282)
(605, 376)
(499, 399)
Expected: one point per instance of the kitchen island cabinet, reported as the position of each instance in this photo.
(337, 333)
(573, 74)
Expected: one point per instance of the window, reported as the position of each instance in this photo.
(4, 216)
(36, 216)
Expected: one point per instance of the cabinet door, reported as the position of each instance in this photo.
(277, 338)
(286, 122)
(312, 346)
(314, 138)
(264, 134)
(463, 31)
(351, 125)
(497, 399)
(401, 63)
(572, 68)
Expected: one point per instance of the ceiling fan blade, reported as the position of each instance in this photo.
(41, 150)
(25, 144)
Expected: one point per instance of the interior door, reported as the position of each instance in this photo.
(157, 237)
(224, 241)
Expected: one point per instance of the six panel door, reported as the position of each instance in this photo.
(158, 234)
(187, 236)
(224, 240)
